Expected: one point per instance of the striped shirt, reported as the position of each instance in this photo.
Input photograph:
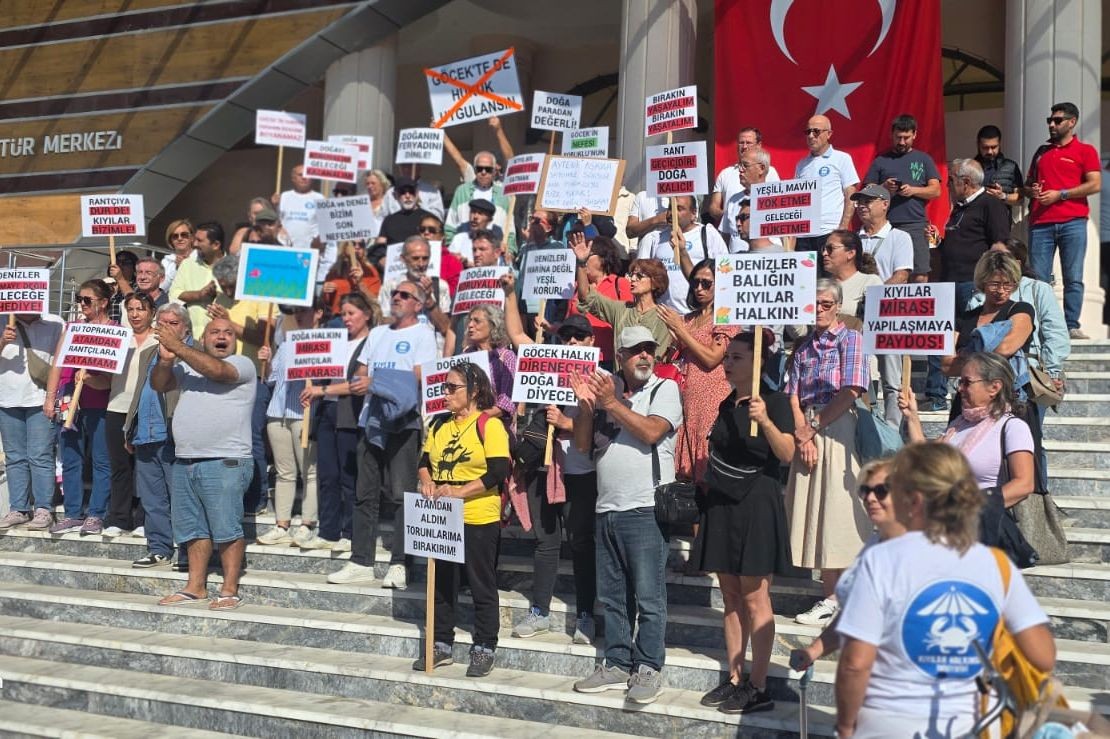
(825, 363)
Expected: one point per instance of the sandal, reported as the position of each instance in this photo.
(225, 602)
(182, 598)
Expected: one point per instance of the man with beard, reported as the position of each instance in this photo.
(194, 285)
(405, 222)
(1001, 176)
(149, 274)
(636, 421)
(212, 470)
(417, 255)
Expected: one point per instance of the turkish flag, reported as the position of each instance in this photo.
(860, 63)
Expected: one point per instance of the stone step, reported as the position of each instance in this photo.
(1056, 428)
(249, 709)
(1081, 581)
(515, 696)
(26, 719)
(1076, 362)
(1080, 483)
(1088, 545)
(1089, 512)
(1076, 454)
(1085, 405)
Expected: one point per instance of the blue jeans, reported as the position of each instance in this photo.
(28, 438)
(936, 384)
(87, 433)
(255, 496)
(153, 479)
(208, 499)
(1071, 238)
(632, 587)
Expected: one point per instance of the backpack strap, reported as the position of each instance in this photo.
(480, 427)
(656, 471)
(1003, 568)
(704, 242)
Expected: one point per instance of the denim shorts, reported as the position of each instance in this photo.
(206, 500)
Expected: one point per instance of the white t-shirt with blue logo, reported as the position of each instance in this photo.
(834, 171)
(922, 605)
(398, 348)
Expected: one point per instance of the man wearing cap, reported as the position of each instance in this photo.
(912, 179)
(297, 208)
(482, 187)
(268, 230)
(481, 219)
(632, 438)
(892, 248)
(405, 222)
(427, 194)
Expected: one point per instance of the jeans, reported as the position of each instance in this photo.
(28, 437)
(632, 587)
(936, 383)
(208, 499)
(890, 373)
(87, 434)
(480, 542)
(121, 506)
(548, 520)
(153, 479)
(336, 469)
(391, 471)
(1071, 238)
(255, 496)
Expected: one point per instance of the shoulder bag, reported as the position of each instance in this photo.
(1038, 518)
(997, 527)
(675, 502)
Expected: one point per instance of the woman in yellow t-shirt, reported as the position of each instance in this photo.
(466, 455)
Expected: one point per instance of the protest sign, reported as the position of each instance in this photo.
(786, 208)
(433, 374)
(365, 146)
(474, 89)
(677, 169)
(345, 219)
(395, 268)
(278, 128)
(766, 289)
(112, 215)
(328, 161)
(479, 286)
(916, 318)
(419, 146)
(95, 346)
(25, 290)
(570, 183)
(543, 372)
(591, 143)
(316, 354)
(522, 174)
(548, 275)
(281, 274)
(434, 528)
(555, 111)
(672, 110)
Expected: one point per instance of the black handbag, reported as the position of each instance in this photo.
(675, 502)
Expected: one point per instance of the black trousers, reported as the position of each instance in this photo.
(383, 473)
(481, 542)
(124, 509)
(548, 519)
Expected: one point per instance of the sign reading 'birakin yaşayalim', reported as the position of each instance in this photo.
(910, 319)
(766, 289)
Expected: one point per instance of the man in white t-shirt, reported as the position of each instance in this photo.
(297, 208)
(702, 241)
(728, 190)
(647, 214)
(404, 344)
(836, 175)
(634, 436)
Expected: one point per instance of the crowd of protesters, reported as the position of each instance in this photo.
(182, 440)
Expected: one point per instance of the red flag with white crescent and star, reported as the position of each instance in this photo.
(861, 63)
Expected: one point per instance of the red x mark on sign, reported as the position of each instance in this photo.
(475, 89)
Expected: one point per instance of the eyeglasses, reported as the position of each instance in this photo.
(880, 491)
(644, 347)
(637, 276)
(181, 235)
(830, 248)
(703, 283)
(746, 165)
(815, 131)
(999, 285)
(1056, 120)
(451, 387)
(965, 381)
(429, 229)
(826, 304)
(403, 294)
(485, 170)
(86, 300)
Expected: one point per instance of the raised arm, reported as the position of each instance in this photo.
(513, 324)
(502, 140)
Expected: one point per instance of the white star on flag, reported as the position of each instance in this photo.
(833, 94)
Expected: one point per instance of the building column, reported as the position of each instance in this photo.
(657, 54)
(1054, 54)
(358, 98)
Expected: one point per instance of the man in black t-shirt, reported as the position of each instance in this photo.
(396, 227)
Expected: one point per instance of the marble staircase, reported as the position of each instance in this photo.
(84, 647)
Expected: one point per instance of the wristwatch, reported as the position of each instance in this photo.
(1063, 194)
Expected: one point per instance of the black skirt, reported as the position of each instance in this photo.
(743, 529)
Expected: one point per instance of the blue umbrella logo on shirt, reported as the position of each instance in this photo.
(941, 623)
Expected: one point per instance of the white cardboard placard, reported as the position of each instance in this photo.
(433, 374)
(916, 318)
(556, 111)
(570, 183)
(419, 146)
(112, 215)
(672, 110)
(279, 128)
(324, 160)
(766, 289)
(523, 174)
(25, 290)
(365, 146)
(677, 169)
(479, 286)
(345, 219)
(591, 143)
(434, 528)
(474, 89)
(95, 346)
(315, 354)
(548, 275)
(543, 372)
(786, 208)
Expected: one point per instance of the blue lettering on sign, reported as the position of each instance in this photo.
(824, 171)
(402, 347)
(941, 623)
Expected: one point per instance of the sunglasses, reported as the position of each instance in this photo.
(406, 191)
(826, 304)
(637, 276)
(86, 300)
(485, 170)
(1056, 120)
(880, 491)
(644, 347)
(814, 131)
(429, 230)
(403, 294)
(743, 217)
(703, 283)
(574, 334)
(451, 387)
(830, 248)
(180, 236)
(539, 221)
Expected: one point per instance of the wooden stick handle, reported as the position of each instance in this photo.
(306, 421)
(430, 618)
(71, 412)
(757, 370)
(111, 249)
(266, 338)
(11, 320)
(550, 448)
(543, 314)
(277, 177)
(906, 379)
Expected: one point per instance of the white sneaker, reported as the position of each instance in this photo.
(276, 535)
(139, 532)
(343, 545)
(395, 578)
(351, 572)
(112, 531)
(303, 535)
(820, 614)
(316, 542)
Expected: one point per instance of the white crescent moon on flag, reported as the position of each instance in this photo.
(779, 9)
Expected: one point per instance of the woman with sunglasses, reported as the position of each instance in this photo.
(828, 524)
(337, 436)
(351, 273)
(875, 494)
(743, 536)
(920, 601)
(88, 431)
(179, 238)
(466, 455)
(122, 513)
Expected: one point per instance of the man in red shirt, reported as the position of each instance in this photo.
(1063, 173)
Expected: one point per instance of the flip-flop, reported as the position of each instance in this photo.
(225, 603)
(182, 598)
